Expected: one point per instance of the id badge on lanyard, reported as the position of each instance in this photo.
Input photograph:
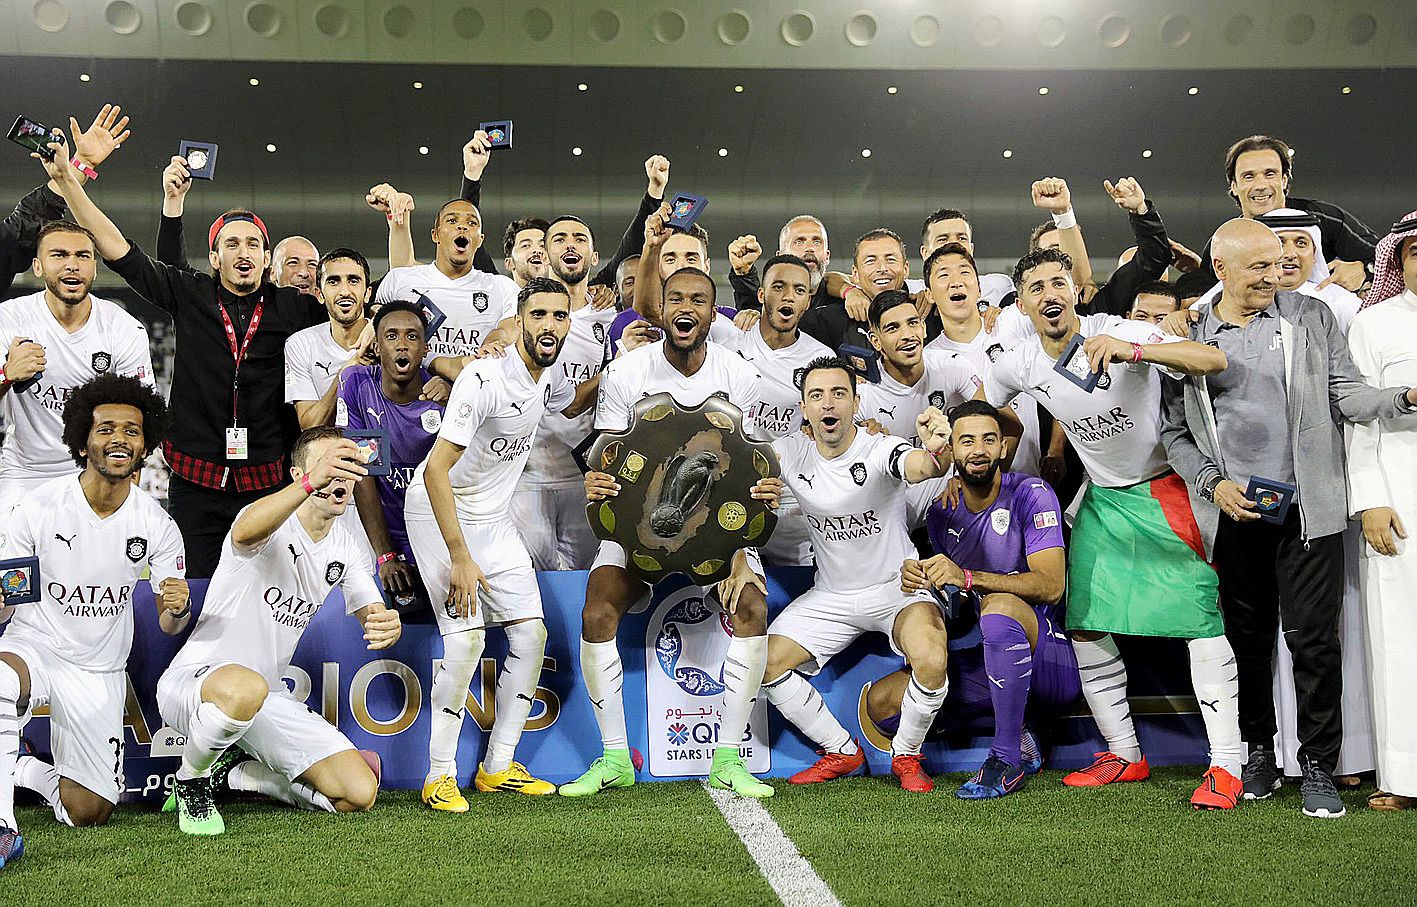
(238, 445)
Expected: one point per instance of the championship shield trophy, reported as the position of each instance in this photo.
(685, 479)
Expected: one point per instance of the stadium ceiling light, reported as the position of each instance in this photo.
(576, 151)
(865, 152)
(422, 149)
(1193, 90)
(417, 86)
(1008, 152)
(1043, 89)
(582, 87)
(254, 81)
(723, 152)
(271, 148)
(1146, 152)
(1348, 89)
(737, 89)
(891, 89)
(83, 77)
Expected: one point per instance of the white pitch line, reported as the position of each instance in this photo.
(793, 879)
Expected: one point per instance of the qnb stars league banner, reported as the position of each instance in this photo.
(672, 647)
(686, 640)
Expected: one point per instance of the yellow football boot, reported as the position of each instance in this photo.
(442, 794)
(516, 779)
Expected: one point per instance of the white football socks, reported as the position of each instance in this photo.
(9, 742)
(462, 653)
(516, 689)
(743, 668)
(1217, 684)
(800, 703)
(604, 681)
(1104, 686)
(917, 712)
(210, 733)
(261, 779)
(42, 778)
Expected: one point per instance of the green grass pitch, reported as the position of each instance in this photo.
(668, 844)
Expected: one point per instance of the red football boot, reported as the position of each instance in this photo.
(1109, 768)
(911, 774)
(830, 767)
(1218, 790)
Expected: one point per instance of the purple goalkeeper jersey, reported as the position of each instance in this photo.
(1024, 519)
(412, 427)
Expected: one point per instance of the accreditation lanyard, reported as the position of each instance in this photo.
(238, 353)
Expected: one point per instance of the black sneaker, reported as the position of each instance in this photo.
(1321, 800)
(1261, 775)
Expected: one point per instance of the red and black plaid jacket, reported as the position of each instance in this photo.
(213, 475)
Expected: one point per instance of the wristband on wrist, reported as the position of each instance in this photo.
(847, 288)
(84, 168)
(178, 615)
(305, 484)
(968, 580)
(1066, 220)
(1136, 353)
(386, 557)
(934, 456)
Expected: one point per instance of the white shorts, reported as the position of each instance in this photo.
(13, 490)
(85, 715)
(791, 542)
(553, 524)
(824, 622)
(286, 735)
(499, 551)
(611, 554)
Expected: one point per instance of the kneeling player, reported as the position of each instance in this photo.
(851, 485)
(1001, 544)
(94, 534)
(280, 560)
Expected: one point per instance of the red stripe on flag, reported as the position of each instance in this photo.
(1170, 492)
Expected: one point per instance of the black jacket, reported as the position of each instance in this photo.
(1153, 257)
(1345, 237)
(20, 231)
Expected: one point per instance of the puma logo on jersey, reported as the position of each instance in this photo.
(1213, 705)
(377, 417)
(69, 542)
(889, 413)
(524, 696)
(481, 381)
(294, 555)
(809, 481)
(516, 406)
(457, 714)
(324, 367)
(953, 532)
(1043, 389)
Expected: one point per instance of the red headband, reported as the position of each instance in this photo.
(1387, 270)
(225, 219)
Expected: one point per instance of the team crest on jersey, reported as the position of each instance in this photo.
(999, 519)
(334, 571)
(136, 548)
(479, 301)
(598, 330)
(431, 420)
(937, 400)
(797, 375)
(858, 473)
(1104, 381)
(102, 361)
(994, 351)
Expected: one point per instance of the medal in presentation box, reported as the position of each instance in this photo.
(1074, 366)
(1272, 499)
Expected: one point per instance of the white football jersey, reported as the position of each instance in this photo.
(110, 342)
(583, 356)
(260, 602)
(313, 359)
(493, 414)
(88, 568)
(948, 381)
(855, 507)
(1012, 328)
(474, 304)
(1116, 429)
(778, 408)
(644, 372)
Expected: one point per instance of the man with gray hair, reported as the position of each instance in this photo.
(804, 236)
(1262, 454)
